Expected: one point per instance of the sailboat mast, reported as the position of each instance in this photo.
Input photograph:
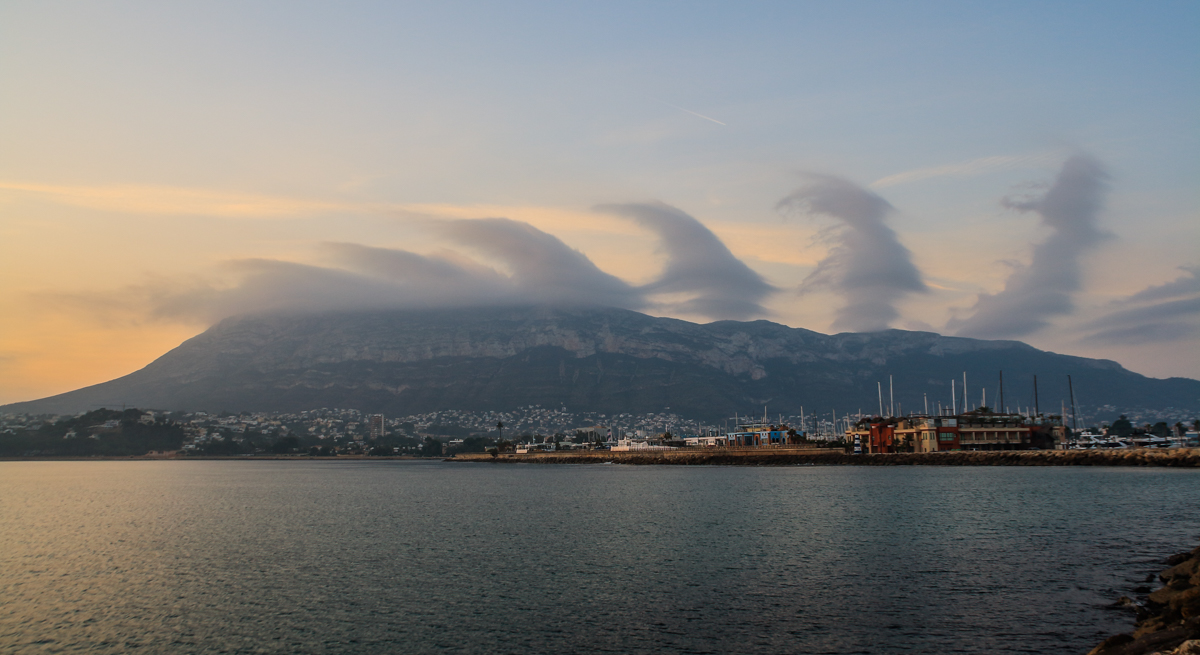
(1071, 388)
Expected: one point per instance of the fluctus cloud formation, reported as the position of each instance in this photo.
(499, 261)
(701, 275)
(1045, 287)
(698, 264)
(867, 264)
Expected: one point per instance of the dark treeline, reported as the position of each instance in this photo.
(103, 432)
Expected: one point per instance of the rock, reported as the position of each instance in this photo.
(1113, 642)
(1189, 647)
(1163, 596)
(1157, 641)
(1170, 622)
(1184, 570)
(1147, 627)
(1188, 598)
(1178, 557)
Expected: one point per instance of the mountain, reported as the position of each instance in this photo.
(604, 360)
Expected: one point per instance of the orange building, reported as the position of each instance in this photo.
(970, 431)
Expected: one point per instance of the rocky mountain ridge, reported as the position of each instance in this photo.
(589, 358)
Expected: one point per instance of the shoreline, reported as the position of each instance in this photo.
(205, 458)
(1141, 457)
(1173, 458)
(1168, 619)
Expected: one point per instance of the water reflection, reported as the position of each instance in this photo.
(416, 556)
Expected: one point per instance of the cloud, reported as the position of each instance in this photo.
(1143, 334)
(1161, 313)
(1045, 288)
(258, 286)
(962, 169)
(698, 263)
(867, 264)
(442, 276)
(1184, 285)
(266, 286)
(693, 113)
(142, 199)
(533, 267)
(545, 269)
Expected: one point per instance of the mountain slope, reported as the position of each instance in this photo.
(606, 360)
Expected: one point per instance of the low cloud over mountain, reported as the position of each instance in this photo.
(1164, 312)
(698, 263)
(867, 265)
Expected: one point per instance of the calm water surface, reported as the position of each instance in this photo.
(395, 556)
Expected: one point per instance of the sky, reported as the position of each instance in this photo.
(1017, 170)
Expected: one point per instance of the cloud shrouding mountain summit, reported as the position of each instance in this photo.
(867, 264)
(698, 263)
(544, 269)
(531, 267)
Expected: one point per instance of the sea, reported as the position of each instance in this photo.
(397, 556)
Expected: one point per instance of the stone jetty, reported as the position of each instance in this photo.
(1174, 457)
(1169, 618)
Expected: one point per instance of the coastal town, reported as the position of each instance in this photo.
(532, 429)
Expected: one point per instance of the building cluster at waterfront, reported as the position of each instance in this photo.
(326, 431)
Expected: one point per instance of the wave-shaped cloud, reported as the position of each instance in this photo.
(867, 265)
(698, 263)
(1047, 285)
(544, 269)
(535, 267)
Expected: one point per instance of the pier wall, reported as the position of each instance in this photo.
(1174, 457)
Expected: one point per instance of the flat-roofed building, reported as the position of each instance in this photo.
(969, 431)
(376, 426)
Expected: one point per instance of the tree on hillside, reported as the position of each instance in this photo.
(431, 447)
(285, 445)
(1121, 427)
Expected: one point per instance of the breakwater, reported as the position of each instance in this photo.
(1168, 618)
(1176, 457)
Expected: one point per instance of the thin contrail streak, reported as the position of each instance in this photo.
(707, 118)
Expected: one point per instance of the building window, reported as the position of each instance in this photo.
(945, 436)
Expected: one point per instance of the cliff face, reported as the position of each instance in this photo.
(604, 360)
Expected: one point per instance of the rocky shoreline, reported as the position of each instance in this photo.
(1168, 619)
(1177, 457)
